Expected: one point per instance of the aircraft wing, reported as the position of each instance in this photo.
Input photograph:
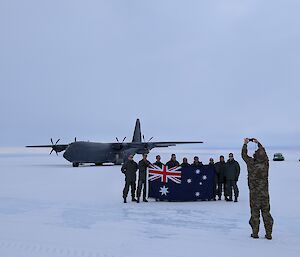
(57, 148)
(172, 143)
(162, 144)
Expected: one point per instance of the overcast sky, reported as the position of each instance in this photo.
(190, 70)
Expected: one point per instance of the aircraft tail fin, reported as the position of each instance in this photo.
(137, 136)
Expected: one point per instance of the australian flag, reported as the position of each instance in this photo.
(181, 184)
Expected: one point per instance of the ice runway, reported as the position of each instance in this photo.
(49, 208)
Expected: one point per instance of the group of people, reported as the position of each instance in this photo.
(226, 175)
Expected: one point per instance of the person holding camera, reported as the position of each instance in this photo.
(258, 173)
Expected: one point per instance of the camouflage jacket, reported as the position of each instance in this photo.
(143, 165)
(170, 164)
(130, 168)
(258, 168)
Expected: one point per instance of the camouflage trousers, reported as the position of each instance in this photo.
(142, 184)
(260, 202)
(126, 188)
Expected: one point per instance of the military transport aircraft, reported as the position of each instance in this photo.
(80, 152)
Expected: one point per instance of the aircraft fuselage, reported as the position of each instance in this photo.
(98, 153)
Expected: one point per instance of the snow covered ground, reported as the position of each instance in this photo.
(48, 208)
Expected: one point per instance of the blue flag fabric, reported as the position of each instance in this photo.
(195, 184)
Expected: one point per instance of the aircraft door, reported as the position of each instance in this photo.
(119, 158)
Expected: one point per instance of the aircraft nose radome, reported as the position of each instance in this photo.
(67, 155)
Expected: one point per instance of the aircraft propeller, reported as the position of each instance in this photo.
(122, 140)
(146, 143)
(148, 140)
(121, 143)
(54, 146)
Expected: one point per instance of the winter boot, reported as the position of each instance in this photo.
(124, 200)
(138, 200)
(268, 236)
(145, 200)
(235, 199)
(254, 236)
(133, 199)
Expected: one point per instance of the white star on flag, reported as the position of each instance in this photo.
(197, 171)
(197, 194)
(200, 183)
(164, 190)
(204, 177)
(189, 180)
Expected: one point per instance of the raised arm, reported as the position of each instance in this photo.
(245, 155)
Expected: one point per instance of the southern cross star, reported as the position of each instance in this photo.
(164, 190)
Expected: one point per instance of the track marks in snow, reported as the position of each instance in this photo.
(11, 206)
(186, 215)
(46, 250)
(152, 215)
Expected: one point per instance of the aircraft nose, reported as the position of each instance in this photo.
(68, 154)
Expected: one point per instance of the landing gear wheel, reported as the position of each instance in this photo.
(75, 164)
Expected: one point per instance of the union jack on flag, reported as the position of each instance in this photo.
(164, 174)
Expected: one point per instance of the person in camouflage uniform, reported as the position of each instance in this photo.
(258, 171)
(158, 161)
(173, 162)
(142, 182)
(185, 163)
(129, 169)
